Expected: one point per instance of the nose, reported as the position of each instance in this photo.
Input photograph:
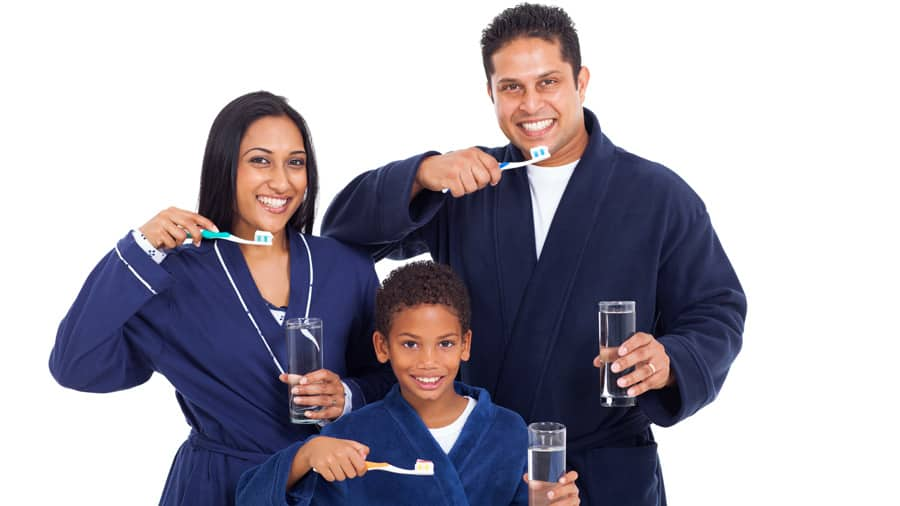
(531, 102)
(426, 358)
(278, 180)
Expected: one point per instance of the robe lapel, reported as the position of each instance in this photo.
(513, 230)
(535, 330)
(420, 439)
(299, 274)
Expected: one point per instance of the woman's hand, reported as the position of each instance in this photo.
(563, 493)
(318, 388)
(334, 459)
(170, 227)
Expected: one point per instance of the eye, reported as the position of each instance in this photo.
(510, 87)
(297, 162)
(409, 344)
(447, 343)
(548, 82)
(258, 160)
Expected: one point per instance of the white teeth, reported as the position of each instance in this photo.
(272, 202)
(428, 380)
(534, 126)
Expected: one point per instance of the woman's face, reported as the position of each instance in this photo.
(271, 176)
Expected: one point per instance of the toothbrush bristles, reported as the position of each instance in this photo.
(263, 237)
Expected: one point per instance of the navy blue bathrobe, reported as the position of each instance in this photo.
(484, 467)
(625, 229)
(183, 320)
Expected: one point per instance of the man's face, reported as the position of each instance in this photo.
(536, 99)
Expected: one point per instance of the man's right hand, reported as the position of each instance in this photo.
(459, 172)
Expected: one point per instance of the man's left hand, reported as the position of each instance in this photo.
(650, 361)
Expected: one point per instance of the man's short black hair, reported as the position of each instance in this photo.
(417, 283)
(531, 20)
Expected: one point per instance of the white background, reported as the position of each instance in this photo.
(782, 115)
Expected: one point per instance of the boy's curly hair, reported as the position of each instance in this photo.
(422, 282)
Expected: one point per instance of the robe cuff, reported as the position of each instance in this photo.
(143, 268)
(352, 395)
(674, 403)
(157, 255)
(421, 210)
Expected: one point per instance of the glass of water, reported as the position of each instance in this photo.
(304, 344)
(546, 459)
(617, 324)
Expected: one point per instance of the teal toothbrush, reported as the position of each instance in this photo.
(538, 154)
(261, 238)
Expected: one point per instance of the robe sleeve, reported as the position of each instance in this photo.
(374, 211)
(101, 344)
(266, 484)
(369, 379)
(701, 317)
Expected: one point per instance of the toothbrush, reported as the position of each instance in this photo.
(423, 468)
(261, 238)
(538, 154)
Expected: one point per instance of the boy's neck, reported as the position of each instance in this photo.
(440, 412)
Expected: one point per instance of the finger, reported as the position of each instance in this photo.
(317, 389)
(608, 354)
(348, 468)
(491, 165)
(481, 175)
(313, 400)
(325, 472)
(362, 449)
(290, 379)
(320, 376)
(634, 357)
(635, 341)
(456, 188)
(468, 180)
(176, 234)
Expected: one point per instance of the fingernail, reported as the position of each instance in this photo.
(615, 367)
(303, 380)
(621, 382)
(622, 350)
(550, 495)
(630, 392)
(295, 391)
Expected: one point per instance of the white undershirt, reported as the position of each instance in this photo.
(547, 186)
(447, 436)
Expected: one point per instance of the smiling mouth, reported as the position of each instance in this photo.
(537, 128)
(428, 382)
(273, 204)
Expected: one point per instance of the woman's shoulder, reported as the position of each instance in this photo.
(338, 251)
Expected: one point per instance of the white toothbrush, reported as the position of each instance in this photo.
(423, 468)
(538, 154)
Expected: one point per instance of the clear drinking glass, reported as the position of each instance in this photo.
(617, 324)
(546, 459)
(304, 345)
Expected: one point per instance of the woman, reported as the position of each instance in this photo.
(209, 315)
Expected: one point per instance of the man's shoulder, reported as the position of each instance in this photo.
(655, 180)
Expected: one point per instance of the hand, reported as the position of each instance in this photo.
(563, 493)
(170, 227)
(318, 388)
(334, 459)
(460, 172)
(650, 359)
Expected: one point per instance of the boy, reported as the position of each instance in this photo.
(478, 449)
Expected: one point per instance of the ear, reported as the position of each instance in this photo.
(382, 350)
(466, 346)
(490, 91)
(584, 75)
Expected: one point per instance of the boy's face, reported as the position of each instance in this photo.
(425, 347)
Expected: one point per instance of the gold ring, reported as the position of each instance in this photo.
(652, 368)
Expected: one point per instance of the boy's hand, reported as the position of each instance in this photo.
(563, 493)
(334, 459)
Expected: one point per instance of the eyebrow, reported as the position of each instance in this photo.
(295, 152)
(409, 334)
(541, 76)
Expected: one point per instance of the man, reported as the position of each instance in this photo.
(539, 246)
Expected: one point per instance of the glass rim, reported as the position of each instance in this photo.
(300, 321)
(610, 303)
(546, 427)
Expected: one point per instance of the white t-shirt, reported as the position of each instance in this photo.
(447, 436)
(547, 186)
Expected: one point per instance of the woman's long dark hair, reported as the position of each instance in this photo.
(220, 161)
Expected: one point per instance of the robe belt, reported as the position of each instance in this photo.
(635, 432)
(198, 440)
